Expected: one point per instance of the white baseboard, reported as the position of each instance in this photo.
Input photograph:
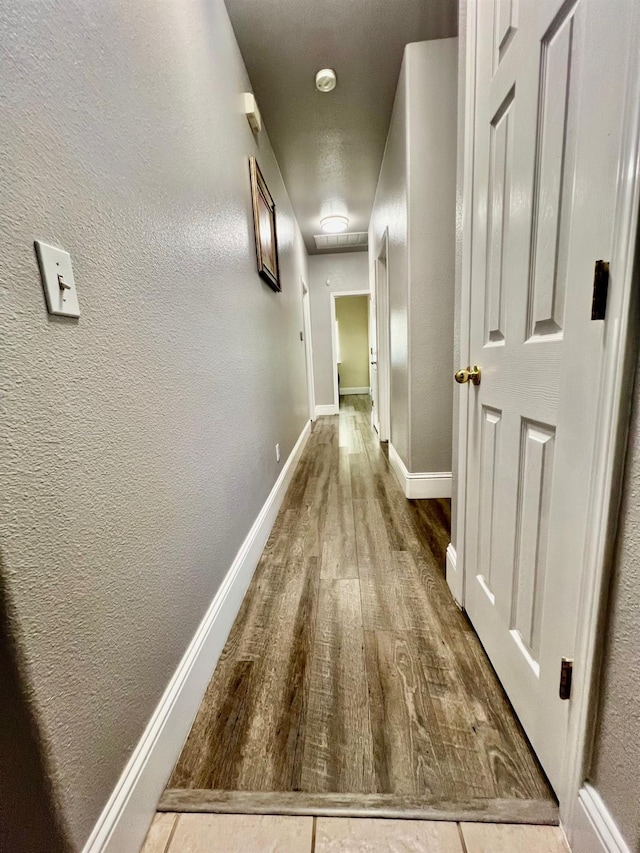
(595, 830)
(453, 574)
(127, 815)
(423, 485)
(363, 390)
(327, 409)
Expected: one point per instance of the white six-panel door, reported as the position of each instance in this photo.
(548, 117)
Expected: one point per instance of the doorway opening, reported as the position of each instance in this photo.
(350, 346)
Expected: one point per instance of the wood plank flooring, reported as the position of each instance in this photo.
(350, 670)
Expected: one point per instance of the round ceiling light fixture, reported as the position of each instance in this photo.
(334, 224)
(326, 80)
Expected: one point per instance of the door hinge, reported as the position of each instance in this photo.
(566, 673)
(600, 290)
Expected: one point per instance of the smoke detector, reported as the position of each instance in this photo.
(326, 80)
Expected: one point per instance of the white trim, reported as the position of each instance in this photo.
(427, 484)
(452, 568)
(363, 390)
(616, 383)
(595, 830)
(127, 815)
(458, 535)
(334, 344)
(383, 337)
(308, 347)
(327, 409)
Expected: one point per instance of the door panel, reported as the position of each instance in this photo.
(555, 162)
(532, 532)
(506, 25)
(501, 167)
(546, 140)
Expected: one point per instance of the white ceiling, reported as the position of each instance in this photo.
(330, 146)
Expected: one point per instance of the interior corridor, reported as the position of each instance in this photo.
(350, 679)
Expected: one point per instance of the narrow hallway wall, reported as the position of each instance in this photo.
(416, 201)
(138, 442)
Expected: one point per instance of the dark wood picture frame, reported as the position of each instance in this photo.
(264, 226)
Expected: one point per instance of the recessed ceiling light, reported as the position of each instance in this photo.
(326, 80)
(334, 224)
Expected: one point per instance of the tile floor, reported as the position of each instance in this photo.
(227, 833)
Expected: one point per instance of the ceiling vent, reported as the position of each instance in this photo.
(349, 240)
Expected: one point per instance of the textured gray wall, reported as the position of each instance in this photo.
(432, 91)
(137, 443)
(343, 271)
(616, 760)
(415, 199)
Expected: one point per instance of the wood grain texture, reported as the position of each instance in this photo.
(338, 700)
(350, 670)
(390, 806)
(501, 838)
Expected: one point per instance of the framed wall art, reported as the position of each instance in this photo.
(264, 224)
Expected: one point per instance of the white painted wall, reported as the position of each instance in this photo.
(416, 199)
(137, 444)
(328, 274)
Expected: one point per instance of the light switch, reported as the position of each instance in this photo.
(57, 280)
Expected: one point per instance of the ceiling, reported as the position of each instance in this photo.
(329, 146)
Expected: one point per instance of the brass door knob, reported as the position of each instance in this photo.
(468, 374)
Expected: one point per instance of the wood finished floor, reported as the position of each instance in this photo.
(350, 678)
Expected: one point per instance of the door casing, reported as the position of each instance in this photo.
(308, 348)
(614, 392)
(381, 284)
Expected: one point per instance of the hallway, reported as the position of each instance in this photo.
(350, 679)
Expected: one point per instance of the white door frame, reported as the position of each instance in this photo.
(381, 270)
(619, 355)
(334, 344)
(308, 348)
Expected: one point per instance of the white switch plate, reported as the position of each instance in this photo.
(57, 280)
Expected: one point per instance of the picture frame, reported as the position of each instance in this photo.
(264, 226)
